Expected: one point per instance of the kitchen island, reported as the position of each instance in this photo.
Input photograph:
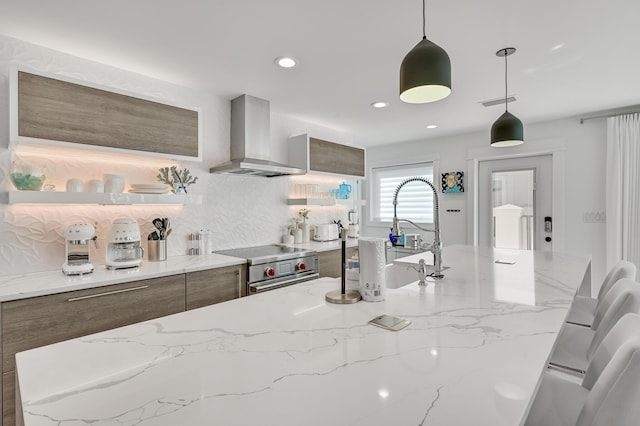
(473, 354)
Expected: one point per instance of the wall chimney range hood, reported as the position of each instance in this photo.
(250, 141)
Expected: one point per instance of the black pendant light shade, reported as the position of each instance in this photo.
(425, 73)
(506, 130)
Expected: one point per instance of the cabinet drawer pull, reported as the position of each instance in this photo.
(107, 293)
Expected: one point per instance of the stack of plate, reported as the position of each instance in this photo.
(149, 188)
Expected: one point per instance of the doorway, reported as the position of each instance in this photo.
(515, 203)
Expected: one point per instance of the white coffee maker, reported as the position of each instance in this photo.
(77, 250)
(124, 249)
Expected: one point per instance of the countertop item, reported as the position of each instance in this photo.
(14, 287)
(473, 354)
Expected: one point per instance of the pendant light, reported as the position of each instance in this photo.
(507, 130)
(425, 73)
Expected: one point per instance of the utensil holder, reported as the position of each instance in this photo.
(157, 250)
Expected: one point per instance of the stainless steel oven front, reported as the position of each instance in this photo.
(270, 267)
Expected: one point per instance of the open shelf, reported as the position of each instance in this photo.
(324, 202)
(44, 197)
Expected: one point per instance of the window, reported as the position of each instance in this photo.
(415, 200)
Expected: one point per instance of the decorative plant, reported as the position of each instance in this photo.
(304, 214)
(178, 179)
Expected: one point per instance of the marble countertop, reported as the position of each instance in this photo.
(321, 246)
(14, 287)
(473, 354)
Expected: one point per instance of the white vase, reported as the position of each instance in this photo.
(287, 239)
(297, 236)
(305, 228)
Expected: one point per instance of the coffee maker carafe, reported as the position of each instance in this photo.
(123, 248)
(77, 252)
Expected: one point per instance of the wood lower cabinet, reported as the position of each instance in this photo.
(329, 262)
(9, 398)
(39, 321)
(215, 285)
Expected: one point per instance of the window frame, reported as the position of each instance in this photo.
(372, 190)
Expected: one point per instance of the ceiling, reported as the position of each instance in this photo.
(573, 56)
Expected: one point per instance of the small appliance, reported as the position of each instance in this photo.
(326, 232)
(77, 251)
(124, 249)
(353, 231)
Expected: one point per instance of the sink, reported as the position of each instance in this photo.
(400, 274)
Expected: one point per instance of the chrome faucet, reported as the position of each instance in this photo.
(436, 247)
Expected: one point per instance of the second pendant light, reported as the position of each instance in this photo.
(506, 130)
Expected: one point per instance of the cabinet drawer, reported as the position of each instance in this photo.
(329, 262)
(40, 321)
(215, 286)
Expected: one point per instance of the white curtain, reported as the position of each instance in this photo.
(623, 189)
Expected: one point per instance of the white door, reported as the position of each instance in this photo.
(514, 203)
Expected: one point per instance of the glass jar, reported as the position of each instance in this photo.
(27, 177)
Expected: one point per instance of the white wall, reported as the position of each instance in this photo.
(241, 211)
(584, 147)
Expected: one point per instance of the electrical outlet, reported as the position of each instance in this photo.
(594, 217)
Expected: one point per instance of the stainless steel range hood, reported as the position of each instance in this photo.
(250, 141)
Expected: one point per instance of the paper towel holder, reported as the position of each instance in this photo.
(343, 296)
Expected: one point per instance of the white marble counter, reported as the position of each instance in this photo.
(321, 246)
(13, 287)
(473, 355)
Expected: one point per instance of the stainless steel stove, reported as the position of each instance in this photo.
(273, 266)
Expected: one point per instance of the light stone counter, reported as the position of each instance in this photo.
(321, 246)
(473, 355)
(13, 287)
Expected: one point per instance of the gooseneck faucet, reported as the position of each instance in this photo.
(436, 247)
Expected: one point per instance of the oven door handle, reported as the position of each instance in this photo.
(258, 288)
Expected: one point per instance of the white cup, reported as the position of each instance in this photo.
(75, 185)
(113, 184)
(95, 185)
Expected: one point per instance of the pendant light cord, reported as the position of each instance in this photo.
(506, 90)
(424, 20)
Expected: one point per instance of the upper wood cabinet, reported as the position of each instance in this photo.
(317, 155)
(56, 110)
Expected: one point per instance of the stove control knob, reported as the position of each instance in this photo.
(301, 266)
(270, 272)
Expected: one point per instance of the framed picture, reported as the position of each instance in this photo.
(452, 182)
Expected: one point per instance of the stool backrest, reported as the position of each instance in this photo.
(622, 269)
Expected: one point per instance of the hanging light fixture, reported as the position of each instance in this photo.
(425, 73)
(507, 130)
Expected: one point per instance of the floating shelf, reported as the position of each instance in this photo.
(324, 202)
(44, 197)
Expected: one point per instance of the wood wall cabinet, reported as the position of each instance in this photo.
(215, 286)
(329, 262)
(55, 109)
(317, 155)
(38, 321)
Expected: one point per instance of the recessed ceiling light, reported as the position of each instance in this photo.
(285, 62)
(379, 104)
(431, 126)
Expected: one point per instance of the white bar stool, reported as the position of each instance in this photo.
(575, 345)
(583, 308)
(609, 392)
